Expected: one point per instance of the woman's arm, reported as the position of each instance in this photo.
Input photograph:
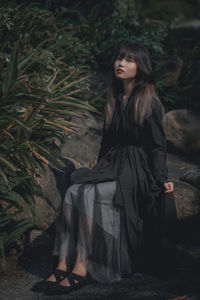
(155, 141)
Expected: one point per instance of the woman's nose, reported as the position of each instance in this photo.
(121, 63)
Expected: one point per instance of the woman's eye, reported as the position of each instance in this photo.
(130, 59)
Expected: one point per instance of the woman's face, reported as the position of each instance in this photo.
(125, 67)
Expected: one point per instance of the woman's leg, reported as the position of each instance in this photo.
(79, 269)
(80, 265)
(89, 217)
(66, 236)
(61, 266)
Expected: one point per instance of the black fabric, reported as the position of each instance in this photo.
(134, 157)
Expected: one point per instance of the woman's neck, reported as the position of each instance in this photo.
(129, 85)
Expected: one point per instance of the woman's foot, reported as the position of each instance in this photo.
(56, 277)
(79, 270)
(73, 281)
(52, 277)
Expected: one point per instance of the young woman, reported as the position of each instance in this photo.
(110, 220)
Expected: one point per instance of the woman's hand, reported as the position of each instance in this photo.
(169, 187)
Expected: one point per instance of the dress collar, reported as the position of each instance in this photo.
(120, 98)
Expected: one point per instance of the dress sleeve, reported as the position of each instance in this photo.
(155, 141)
(105, 144)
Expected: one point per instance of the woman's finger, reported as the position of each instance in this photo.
(169, 186)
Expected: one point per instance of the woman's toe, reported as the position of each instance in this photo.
(65, 282)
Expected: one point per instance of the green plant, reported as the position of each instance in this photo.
(163, 11)
(37, 29)
(184, 93)
(82, 36)
(32, 119)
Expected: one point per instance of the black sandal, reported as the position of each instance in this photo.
(76, 282)
(43, 285)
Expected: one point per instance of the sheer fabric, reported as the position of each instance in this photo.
(91, 226)
(111, 215)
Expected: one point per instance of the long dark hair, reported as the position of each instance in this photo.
(144, 84)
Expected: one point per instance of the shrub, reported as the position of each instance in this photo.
(31, 119)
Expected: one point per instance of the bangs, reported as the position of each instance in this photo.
(125, 51)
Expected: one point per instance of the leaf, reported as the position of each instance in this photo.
(21, 227)
(22, 62)
(11, 71)
(74, 83)
(83, 106)
(179, 297)
(68, 123)
(14, 198)
(42, 158)
(3, 175)
(26, 98)
(67, 129)
(18, 121)
(31, 114)
(3, 223)
(20, 80)
(51, 81)
(64, 79)
(76, 91)
(7, 216)
(6, 163)
(8, 134)
(27, 161)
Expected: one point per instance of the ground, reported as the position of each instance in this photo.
(183, 283)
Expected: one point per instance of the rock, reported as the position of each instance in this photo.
(178, 165)
(82, 148)
(170, 69)
(47, 182)
(39, 238)
(187, 199)
(195, 23)
(87, 122)
(54, 183)
(182, 131)
(34, 234)
(44, 212)
(192, 177)
(63, 174)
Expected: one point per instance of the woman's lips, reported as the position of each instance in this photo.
(120, 71)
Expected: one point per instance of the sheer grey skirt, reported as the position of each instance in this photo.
(91, 225)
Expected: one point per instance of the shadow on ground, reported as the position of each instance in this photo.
(183, 283)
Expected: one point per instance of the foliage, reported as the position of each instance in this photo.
(31, 121)
(70, 38)
(103, 36)
(17, 208)
(163, 11)
(147, 22)
(184, 43)
(35, 29)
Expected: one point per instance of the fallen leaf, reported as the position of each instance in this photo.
(20, 274)
(181, 168)
(179, 297)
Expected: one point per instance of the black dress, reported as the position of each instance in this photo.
(112, 215)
